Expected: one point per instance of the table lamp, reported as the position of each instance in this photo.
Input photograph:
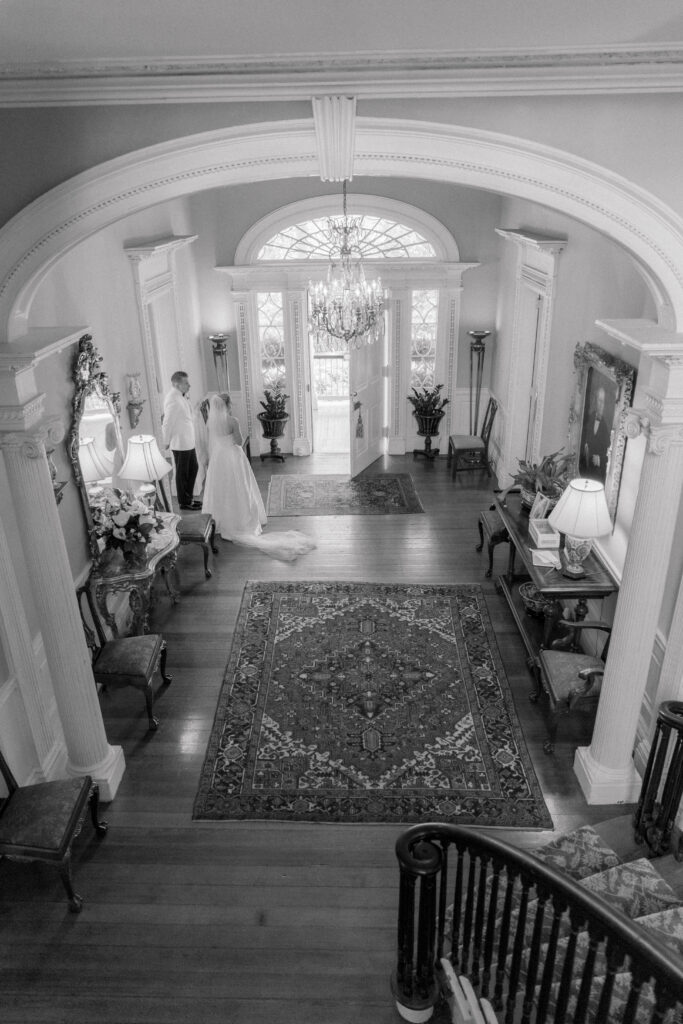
(144, 463)
(95, 465)
(581, 514)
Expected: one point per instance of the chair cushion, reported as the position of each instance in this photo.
(468, 441)
(41, 818)
(194, 526)
(129, 661)
(561, 671)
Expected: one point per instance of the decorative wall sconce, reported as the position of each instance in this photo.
(57, 485)
(135, 399)
(219, 347)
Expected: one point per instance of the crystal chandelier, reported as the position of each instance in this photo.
(345, 305)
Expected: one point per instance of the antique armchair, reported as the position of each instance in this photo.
(471, 451)
(40, 822)
(125, 661)
(571, 679)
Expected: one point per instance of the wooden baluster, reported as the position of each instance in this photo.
(559, 909)
(503, 942)
(443, 894)
(456, 958)
(615, 959)
(490, 929)
(469, 914)
(582, 1002)
(479, 921)
(534, 958)
(517, 951)
(568, 968)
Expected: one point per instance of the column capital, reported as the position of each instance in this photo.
(38, 440)
(660, 435)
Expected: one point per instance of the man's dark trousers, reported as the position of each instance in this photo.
(186, 467)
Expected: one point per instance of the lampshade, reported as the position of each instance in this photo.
(94, 465)
(144, 461)
(582, 510)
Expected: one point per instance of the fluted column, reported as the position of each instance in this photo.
(61, 626)
(605, 769)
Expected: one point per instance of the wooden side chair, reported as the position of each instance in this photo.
(199, 528)
(471, 451)
(571, 679)
(125, 661)
(40, 822)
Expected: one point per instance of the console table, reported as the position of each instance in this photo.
(117, 577)
(555, 588)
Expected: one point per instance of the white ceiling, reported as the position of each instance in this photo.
(46, 32)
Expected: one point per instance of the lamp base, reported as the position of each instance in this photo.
(573, 572)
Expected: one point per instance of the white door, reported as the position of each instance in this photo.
(366, 405)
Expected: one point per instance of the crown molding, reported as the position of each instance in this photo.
(596, 70)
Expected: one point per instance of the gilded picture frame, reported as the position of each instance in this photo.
(603, 392)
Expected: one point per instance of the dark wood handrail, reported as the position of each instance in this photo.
(504, 932)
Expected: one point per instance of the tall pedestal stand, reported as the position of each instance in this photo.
(477, 353)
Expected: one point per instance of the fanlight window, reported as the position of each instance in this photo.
(381, 239)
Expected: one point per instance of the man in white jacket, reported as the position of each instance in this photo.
(178, 434)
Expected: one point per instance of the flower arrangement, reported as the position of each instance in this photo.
(122, 521)
(550, 475)
(428, 401)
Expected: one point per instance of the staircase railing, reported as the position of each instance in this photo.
(660, 794)
(532, 941)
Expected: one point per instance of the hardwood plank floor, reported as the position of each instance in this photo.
(250, 921)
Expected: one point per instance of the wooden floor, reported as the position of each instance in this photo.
(246, 922)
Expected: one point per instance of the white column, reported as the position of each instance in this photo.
(16, 641)
(605, 769)
(68, 657)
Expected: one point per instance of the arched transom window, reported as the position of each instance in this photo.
(381, 239)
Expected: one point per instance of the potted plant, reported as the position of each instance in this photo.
(428, 410)
(550, 476)
(274, 418)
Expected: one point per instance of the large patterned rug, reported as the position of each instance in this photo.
(364, 702)
(338, 495)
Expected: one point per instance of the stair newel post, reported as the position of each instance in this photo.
(656, 814)
(414, 984)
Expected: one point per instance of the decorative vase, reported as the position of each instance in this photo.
(428, 427)
(527, 497)
(135, 558)
(273, 427)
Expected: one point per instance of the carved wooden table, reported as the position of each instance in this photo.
(555, 588)
(138, 584)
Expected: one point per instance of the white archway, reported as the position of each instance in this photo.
(36, 238)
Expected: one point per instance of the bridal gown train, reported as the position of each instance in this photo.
(232, 496)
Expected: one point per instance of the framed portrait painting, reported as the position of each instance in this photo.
(604, 390)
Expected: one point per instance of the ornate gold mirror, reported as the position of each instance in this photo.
(95, 444)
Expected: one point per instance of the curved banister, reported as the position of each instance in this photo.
(486, 924)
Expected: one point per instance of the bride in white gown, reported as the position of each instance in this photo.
(231, 493)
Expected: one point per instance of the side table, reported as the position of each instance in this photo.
(117, 578)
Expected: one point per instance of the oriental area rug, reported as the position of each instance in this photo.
(364, 702)
(338, 495)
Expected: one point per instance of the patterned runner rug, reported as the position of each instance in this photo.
(364, 702)
(339, 495)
